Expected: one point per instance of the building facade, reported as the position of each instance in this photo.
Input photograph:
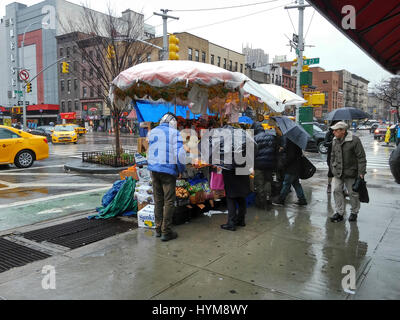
(355, 90)
(378, 108)
(255, 58)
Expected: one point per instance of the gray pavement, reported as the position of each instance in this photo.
(287, 252)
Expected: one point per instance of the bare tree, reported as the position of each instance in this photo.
(389, 91)
(105, 46)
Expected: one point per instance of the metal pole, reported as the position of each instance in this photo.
(300, 55)
(165, 32)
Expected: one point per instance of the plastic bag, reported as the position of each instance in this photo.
(217, 181)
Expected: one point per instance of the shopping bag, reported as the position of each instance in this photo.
(307, 168)
(217, 181)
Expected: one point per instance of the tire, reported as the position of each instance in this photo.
(321, 148)
(24, 159)
(76, 142)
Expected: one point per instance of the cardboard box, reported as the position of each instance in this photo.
(142, 145)
(146, 218)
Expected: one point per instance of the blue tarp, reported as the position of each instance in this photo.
(245, 119)
(152, 112)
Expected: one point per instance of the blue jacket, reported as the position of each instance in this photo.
(166, 153)
(267, 146)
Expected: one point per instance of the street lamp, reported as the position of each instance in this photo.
(22, 67)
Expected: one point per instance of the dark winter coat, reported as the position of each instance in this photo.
(348, 158)
(328, 143)
(236, 186)
(293, 154)
(267, 146)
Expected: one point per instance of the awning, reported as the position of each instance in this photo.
(68, 115)
(132, 115)
(38, 107)
(377, 29)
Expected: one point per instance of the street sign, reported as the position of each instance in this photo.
(307, 62)
(24, 75)
(18, 91)
(295, 38)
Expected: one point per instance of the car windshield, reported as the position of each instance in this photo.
(64, 128)
(318, 129)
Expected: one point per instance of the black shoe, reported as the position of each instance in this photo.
(240, 224)
(169, 236)
(353, 217)
(301, 203)
(278, 202)
(336, 218)
(228, 227)
(268, 203)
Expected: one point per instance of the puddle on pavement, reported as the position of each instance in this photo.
(21, 192)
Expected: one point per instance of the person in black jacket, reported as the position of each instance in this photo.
(292, 168)
(264, 163)
(328, 143)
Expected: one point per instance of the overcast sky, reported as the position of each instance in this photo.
(261, 26)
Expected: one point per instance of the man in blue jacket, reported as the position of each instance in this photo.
(166, 161)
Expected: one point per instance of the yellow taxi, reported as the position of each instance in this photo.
(64, 133)
(79, 130)
(21, 148)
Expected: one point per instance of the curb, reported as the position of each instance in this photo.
(94, 170)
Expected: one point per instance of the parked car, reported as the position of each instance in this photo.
(380, 132)
(21, 148)
(373, 127)
(322, 126)
(316, 143)
(42, 131)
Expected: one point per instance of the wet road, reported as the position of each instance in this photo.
(46, 191)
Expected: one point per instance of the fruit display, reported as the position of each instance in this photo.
(181, 193)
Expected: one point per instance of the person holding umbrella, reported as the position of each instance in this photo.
(348, 162)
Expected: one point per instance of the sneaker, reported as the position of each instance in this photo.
(353, 217)
(301, 203)
(169, 236)
(336, 217)
(228, 227)
(329, 189)
(278, 202)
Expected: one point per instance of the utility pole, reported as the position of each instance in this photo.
(165, 33)
(300, 49)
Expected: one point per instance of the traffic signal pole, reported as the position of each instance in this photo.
(165, 32)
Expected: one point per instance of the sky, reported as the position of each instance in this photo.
(267, 26)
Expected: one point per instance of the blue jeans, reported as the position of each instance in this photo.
(292, 180)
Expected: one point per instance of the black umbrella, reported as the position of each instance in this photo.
(293, 131)
(346, 114)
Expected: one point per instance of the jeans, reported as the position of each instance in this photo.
(292, 180)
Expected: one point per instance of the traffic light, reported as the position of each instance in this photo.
(65, 67)
(110, 52)
(173, 47)
(294, 62)
(28, 87)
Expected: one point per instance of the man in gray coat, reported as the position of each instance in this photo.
(348, 162)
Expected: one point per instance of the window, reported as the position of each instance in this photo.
(60, 67)
(83, 74)
(7, 134)
(69, 86)
(75, 65)
(325, 81)
(98, 56)
(203, 56)
(148, 57)
(91, 73)
(68, 52)
(75, 84)
(236, 66)
(84, 92)
(230, 65)
(219, 61)
(99, 91)
(241, 68)
(272, 78)
(91, 54)
(212, 59)
(61, 52)
(62, 85)
(62, 106)
(83, 57)
(91, 92)
(129, 60)
(98, 75)
(74, 50)
(190, 54)
(224, 63)
(69, 106)
(196, 53)
(76, 105)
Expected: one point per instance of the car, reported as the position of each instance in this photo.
(42, 131)
(380, 132)
(79, 130)
(64, 133)
(21, 148)
(373, 127)
(316, 142)
(322, 126)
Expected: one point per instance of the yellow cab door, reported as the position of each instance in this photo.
(9, 143)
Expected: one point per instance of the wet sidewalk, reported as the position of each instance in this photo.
(285, 253)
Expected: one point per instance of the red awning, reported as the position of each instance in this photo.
(2, 109)
(377, 29)
(132, 115)
(38, 107)
(68, 115)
